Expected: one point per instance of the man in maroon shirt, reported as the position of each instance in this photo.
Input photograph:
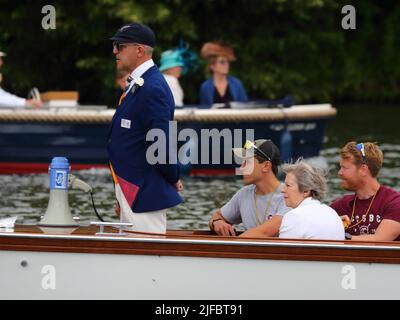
(372, 213)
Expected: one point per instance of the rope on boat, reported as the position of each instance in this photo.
(46, 116)
(296, 113)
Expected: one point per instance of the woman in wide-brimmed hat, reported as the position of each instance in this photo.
(220, 87)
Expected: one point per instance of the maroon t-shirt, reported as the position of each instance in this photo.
(386, 205)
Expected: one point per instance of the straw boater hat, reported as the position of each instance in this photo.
(215, 49)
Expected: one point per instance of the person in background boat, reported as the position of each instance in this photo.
(305, 187)
(220, 87)
(122, 78)
(10, 100)
(171, 68)
(144, 191)
(372, 213)
(259, 205)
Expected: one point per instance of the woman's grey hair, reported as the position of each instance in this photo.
(308, 178)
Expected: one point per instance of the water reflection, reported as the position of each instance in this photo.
(27, 195)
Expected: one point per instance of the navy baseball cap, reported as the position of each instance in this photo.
(135, 33)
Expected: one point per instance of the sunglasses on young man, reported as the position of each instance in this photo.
(249, 145)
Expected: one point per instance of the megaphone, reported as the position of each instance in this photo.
(58, 213)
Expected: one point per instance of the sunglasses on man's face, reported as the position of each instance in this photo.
(120, 46)
(249, 145)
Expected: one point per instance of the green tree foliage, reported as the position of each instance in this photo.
(283, 47)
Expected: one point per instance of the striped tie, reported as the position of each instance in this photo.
(128, 83)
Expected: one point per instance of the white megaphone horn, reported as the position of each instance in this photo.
(58, 213)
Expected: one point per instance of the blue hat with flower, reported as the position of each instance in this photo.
(180, 57)
(170, 59)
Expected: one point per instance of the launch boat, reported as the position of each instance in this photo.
(80, 263)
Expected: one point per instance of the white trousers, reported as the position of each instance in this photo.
(154, 221)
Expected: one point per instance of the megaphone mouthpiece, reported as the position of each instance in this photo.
(76, 183)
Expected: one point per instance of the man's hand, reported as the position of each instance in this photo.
(346, 221)
(222, 228)
(36, 104)
(179, 186)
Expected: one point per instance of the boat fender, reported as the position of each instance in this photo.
(286, 145)
(286, 141)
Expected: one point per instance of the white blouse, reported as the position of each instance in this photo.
(312, 220)
(176, 89)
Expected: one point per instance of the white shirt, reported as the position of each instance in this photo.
(312, 220)
(10, 100)
(176, 89)
(138, 72)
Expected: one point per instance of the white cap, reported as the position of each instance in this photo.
(2, 54)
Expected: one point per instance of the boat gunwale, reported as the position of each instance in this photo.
(219, 240)
(295, 113)
(198, 244)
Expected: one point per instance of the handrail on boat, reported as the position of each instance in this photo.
(200, 237)
(94, 116)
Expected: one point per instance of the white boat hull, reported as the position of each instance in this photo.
(52, 275)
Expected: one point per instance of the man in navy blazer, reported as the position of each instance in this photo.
(144, 191)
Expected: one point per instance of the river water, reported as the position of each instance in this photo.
(26, 196)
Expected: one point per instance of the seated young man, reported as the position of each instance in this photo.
(259, 204)
(372, 213)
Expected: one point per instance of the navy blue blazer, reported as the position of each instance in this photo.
(147, 187)
(235, 86)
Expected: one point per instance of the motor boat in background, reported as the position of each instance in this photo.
(30, 138)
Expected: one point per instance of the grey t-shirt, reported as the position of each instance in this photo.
(242, 206)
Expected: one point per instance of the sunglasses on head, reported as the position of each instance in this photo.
(249, 145)
(360, 147)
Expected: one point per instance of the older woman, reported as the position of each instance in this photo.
(220, 88)
(304, 187)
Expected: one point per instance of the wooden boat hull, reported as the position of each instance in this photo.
(192, 265)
